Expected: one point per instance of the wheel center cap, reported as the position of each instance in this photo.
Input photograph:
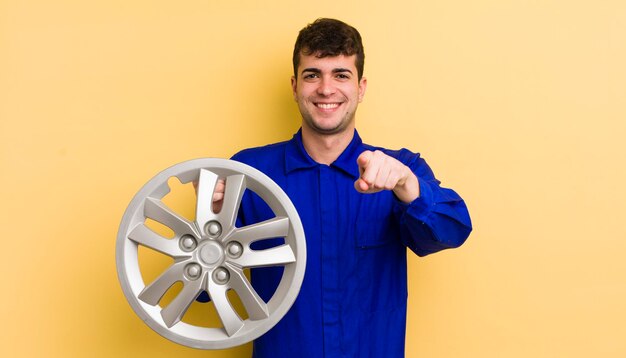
(211, 253)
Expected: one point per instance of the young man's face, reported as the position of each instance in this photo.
(328, 92)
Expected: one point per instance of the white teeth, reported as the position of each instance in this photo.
(328, 105)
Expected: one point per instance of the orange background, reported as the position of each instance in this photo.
(518, 105)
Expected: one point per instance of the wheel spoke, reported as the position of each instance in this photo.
(175, 311)
(152, 293)
(231, 321)
(235, 187)
(255, 306)
(142, 235)
(156, 210)
(204, 204)
(275, 256)
(275, 227)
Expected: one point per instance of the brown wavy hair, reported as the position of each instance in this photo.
(329, 37)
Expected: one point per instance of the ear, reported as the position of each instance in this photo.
(294, 85)
(362, 88)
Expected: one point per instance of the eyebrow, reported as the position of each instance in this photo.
(317, 70)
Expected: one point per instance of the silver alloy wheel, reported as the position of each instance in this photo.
(210, 254)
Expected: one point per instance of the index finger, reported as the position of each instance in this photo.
(369, 171)
(363, 160)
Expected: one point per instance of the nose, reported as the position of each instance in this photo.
(326, 87)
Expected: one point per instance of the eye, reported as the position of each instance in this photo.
(343, 76)
(310, 76)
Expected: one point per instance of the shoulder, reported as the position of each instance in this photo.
(263, 154)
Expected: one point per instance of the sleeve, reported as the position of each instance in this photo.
(435, 221)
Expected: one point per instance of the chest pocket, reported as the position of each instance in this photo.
(374, 225)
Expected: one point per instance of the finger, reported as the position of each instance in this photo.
(392, 181)
(220, 186)
(382, 176)
(218, 195)
(371, 169)
(363, 160)
(361, 186)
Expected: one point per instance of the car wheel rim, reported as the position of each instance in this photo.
(210, 254)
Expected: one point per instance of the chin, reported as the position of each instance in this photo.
(327, 126)
(330, 129)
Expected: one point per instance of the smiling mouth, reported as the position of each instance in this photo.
(327, 105)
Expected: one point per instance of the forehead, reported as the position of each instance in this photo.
(327, 63)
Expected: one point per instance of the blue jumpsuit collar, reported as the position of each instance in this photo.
(296, 156)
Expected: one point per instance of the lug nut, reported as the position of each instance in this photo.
(187, 242)
(213, 228)
(235, 249)
(193, 271)
(221, 275)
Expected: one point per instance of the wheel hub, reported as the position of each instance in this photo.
(211, 253)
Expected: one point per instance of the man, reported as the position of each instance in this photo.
(360, 206)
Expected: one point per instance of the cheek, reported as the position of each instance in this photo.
(352, 92)
(300, 96)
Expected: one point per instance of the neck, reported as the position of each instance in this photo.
(326, 148)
